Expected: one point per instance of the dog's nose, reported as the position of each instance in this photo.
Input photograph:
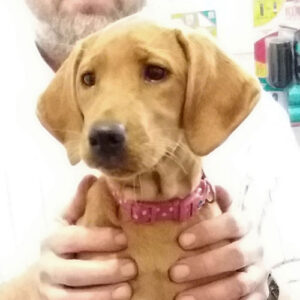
(107, 140)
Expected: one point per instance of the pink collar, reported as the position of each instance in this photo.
(177, 209)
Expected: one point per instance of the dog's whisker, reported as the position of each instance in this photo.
(163, 142)
(141, 186)
(134, 187)
(122, 188)
(176, 161)
(184, 148)
(186, 151)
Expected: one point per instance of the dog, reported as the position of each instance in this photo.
(143, 102)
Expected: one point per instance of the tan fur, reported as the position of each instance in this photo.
(154, 248)
(168, 125)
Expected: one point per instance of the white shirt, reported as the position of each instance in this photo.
(259, 165)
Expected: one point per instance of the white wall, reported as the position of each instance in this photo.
(234, 23)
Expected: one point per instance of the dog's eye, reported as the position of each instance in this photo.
(155, 73)
(88, 78)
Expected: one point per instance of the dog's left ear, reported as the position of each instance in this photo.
(58, 110)
(219, 94)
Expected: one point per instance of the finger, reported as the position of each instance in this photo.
(262, 293)
(112, 292)
(76, 208)
(234, 287)
(231, 257)
(76, 239)
(230, 225)
(81, 273)
(223, 198)
(255, 296)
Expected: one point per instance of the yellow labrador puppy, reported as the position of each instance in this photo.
(142, 103)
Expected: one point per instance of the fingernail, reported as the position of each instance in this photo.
(187, 239)
(180, 271)
(187, 298)
(121, 293)
(128, 269)
(121, 239)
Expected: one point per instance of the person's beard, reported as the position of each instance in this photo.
(57, 35)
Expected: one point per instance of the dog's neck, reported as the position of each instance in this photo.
(174, 177)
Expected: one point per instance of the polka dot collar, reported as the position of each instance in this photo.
(177, 209)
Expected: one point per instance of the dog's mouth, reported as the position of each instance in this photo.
(132, 167)
(126, 167)
(119, 173)
(115, 167)
(118, 167)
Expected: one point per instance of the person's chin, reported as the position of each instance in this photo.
(87, 7)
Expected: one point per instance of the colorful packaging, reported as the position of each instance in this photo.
(205, 19)
(277, 51)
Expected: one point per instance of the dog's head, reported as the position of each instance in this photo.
(129, 95)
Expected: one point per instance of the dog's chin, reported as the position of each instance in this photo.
(124, 171)
(131, 172)
(118, 173)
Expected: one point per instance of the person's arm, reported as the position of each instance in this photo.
(60, 276)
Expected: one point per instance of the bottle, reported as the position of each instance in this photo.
(297, 55)
(279, 62)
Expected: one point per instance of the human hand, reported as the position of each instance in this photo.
(62, 277)
(242, 256)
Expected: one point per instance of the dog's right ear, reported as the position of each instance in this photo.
(58, 110)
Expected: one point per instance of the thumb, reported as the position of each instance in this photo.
(223, 198)
(76, 208)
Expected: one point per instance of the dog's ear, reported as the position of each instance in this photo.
(219, 94)
(58, 110)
